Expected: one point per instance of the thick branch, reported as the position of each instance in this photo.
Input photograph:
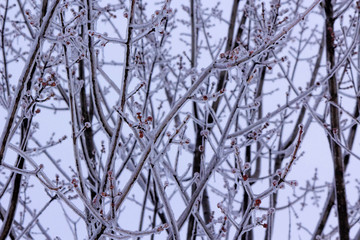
(335, 128)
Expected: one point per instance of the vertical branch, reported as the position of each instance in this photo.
(164, 198)
(73, 114)
(144, 201)
(3, 49)
(126, 74)
(335, 127)
(330, 200)
(229, 44)
(87, 114)
(14, 200)
(191, 232)
(95, 92)
(44, 7)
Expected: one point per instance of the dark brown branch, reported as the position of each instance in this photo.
(340, 192)
(331, 197)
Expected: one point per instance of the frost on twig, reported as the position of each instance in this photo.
(184, 120)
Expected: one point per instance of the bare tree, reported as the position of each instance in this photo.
(179, 119)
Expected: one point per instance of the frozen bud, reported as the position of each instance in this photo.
(271, 211)
(278, 172)
(282, 185)
(293, 183)
(87, 124)
(204, 133)
(335, 131)
(201, 148)
(246, 165)
(74, 182)
(275, 183)
(126, 15)
(245, 177)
